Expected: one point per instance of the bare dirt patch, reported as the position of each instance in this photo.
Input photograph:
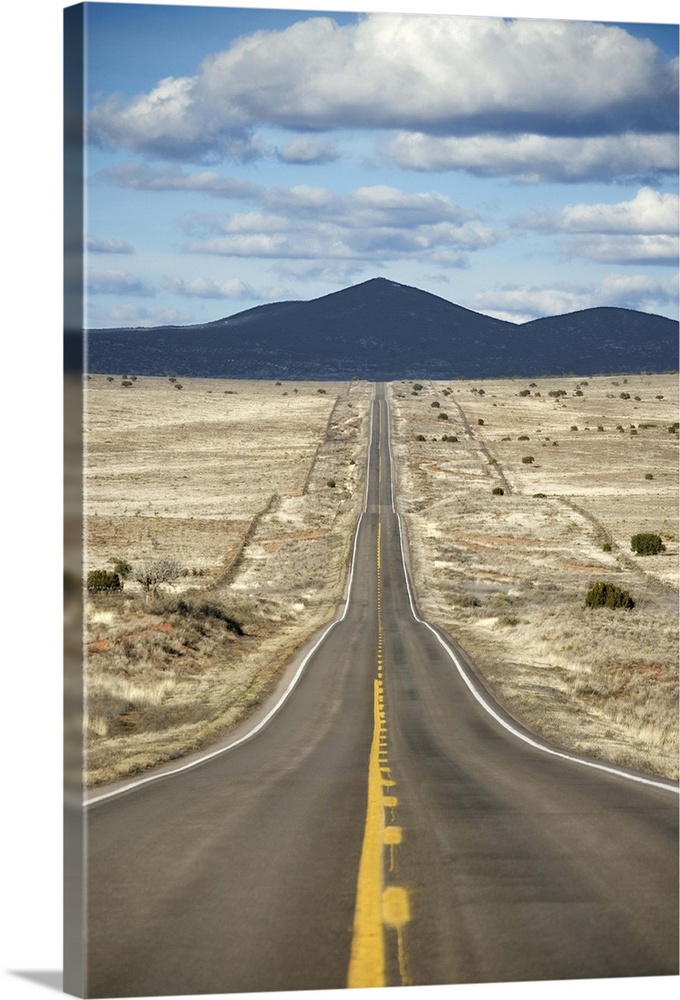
(533, 498)
(231, 480)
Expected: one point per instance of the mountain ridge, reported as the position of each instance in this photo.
(385, 331)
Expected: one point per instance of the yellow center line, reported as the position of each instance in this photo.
(367, 960)
(378, 906)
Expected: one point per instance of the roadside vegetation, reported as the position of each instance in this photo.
(214, 548)
(565, 590)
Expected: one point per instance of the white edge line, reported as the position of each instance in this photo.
(501, 721)
(298, 673)
(389, 448)
(488, 707)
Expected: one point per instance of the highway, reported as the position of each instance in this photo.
(390, 825)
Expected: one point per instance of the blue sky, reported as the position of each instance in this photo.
(516, 166)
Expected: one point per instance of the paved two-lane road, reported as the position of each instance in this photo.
(384, 828)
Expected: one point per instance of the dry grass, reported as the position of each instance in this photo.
(507, 574)
(228, 478)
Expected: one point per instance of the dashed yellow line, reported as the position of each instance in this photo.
(396, 913)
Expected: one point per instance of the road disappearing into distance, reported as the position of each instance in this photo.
(389, 825)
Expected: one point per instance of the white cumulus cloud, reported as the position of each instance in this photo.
(142, 177)
(522, 304)
(617, 249)
(370, 223)
(532, 159)
(638, 291)
(308, 150)
(94, 244)
(420, 73)
(649, 212)
(117, 283)
(640, 231)
(210, 288)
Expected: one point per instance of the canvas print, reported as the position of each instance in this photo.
(371, 341)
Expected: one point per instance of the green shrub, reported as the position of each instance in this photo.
(540, 496)
(103, 579)
(420, 437)
(122, 568)
(524, 437)
(498, 491)
(442, 416)
(525, 392)
(607, 547)
(417, 386)
(435, 403)
(608, 595)
(528, 460)
(331, 483)
(480, 422)
(646, 543)
(648, 475)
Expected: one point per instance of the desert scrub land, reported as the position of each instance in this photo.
(518, 500)
(226, 509)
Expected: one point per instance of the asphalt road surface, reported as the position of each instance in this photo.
(389, 825)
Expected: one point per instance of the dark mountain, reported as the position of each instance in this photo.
(381, 330)
(618, 340)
